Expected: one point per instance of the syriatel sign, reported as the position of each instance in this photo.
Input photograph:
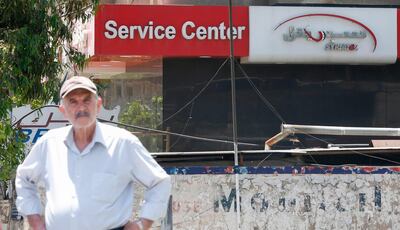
(335, 38)
(170, 30)
(322, 35)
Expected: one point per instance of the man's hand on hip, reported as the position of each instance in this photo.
(143, 225)
(36, 222)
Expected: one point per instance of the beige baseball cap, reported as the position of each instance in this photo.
(77, 82)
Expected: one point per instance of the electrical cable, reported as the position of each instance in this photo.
(141, 128)
(354, 151)
(268, 104)
(258, 165)
(184, 127)
(263, 99)
(276, 113)
(177, 134)
(196, 96)
(206, 139)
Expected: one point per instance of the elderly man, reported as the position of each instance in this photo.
(87, 170)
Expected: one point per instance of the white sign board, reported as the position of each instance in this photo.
(36, 123)
(316, 35)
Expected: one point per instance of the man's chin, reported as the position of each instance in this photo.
(83, 122)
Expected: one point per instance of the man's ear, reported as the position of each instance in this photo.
(99, 103)
(61, 108)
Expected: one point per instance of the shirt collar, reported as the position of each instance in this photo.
(98, 136)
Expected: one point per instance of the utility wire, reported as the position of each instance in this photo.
(141, 128)
(185, 126)
(276, 113)
(309, 154)
(176, 134)
(258, 165)
(263, 99)
(354, 151)
(269, 105)
(196, 96)
(203, 138)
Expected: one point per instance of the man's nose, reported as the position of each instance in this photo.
(82, 106)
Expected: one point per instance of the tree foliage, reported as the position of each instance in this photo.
(137, 113)
(33, 35)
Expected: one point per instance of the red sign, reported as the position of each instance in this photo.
(170, 30)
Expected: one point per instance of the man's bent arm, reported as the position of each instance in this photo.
(156, 200)
(157, 182)
(28, 175)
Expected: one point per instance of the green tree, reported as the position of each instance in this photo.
(33, 36)
(147, 116)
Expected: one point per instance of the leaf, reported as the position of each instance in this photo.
(31, 34)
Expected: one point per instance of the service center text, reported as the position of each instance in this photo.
(189, 30)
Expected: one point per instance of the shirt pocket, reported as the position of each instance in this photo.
(104, 186)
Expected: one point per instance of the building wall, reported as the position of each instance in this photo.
(281, 198)
(286, 202)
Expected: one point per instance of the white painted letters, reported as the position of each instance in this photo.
(189, 31)
(110, 27)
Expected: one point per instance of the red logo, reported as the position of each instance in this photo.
(322, 35)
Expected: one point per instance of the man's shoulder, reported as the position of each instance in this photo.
(116, 132)
(57, 133)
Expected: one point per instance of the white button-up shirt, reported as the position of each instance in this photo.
(92, 189)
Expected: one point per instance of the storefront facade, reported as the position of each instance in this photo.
(321, 65)
(313, 65)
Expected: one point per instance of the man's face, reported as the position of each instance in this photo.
(81, 107)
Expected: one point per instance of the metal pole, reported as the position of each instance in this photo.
(289, 129)
(234, 121)
(340, 130)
